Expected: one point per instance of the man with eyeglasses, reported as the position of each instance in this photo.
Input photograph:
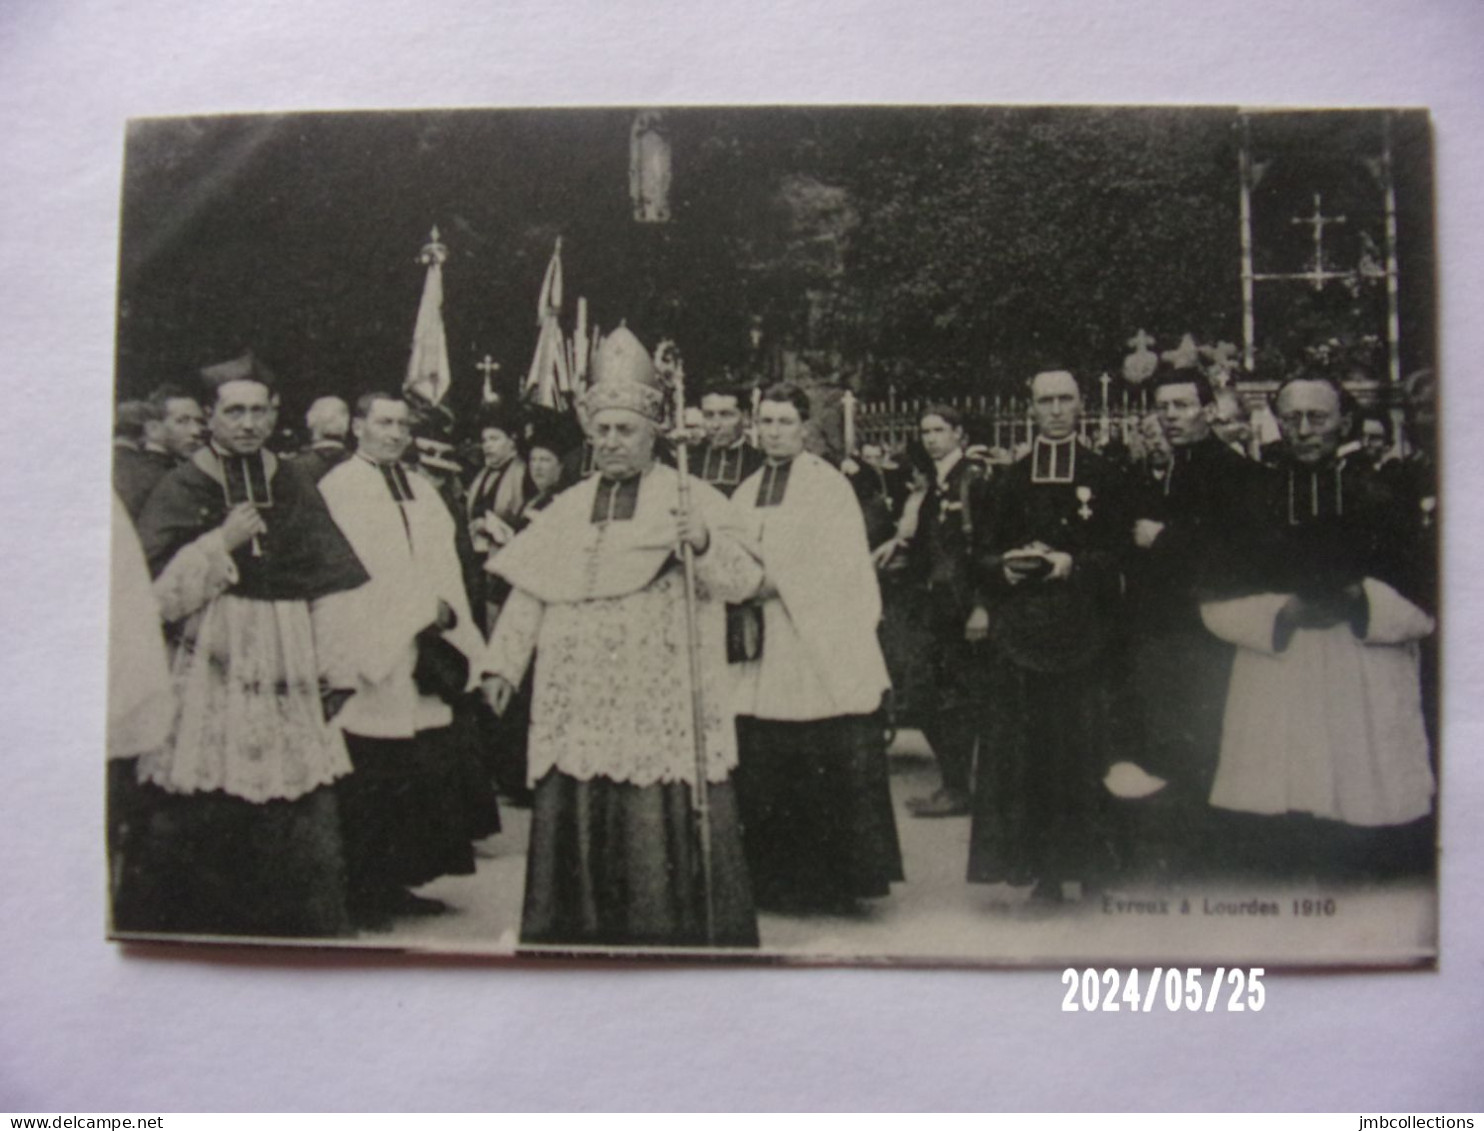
(1324, 762)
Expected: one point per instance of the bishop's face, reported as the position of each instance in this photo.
(1312, 423)
(242, 418)
(384, 433)
(623, 442)
(1056, 402)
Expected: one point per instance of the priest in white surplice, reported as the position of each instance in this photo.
(406, 640)
(812, 779)
(1324, 714)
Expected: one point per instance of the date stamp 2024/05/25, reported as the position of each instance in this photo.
(1189, 990)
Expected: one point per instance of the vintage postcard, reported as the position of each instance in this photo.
(961, 535)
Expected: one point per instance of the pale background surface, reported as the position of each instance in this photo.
(83, 1027)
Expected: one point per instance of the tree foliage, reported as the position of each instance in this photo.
(994, 242)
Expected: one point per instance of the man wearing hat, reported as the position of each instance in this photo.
(496, 495)
(497, 491)
(599, 596)
(243, 831)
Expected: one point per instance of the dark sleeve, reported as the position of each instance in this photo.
(132, 483)
(982, 495)
(1398, 550)
(309, 546)
(1233, 546)
(1101, 558)
(994, 533)
(178, 511)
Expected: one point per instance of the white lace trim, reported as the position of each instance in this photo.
(248, 716)
(612, 688)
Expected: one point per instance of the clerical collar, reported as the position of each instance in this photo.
(1054, 461)
(616, 499)
(1180, 456)
(1315, 493)
(774, 486)
(943, 467)
(490, 478)
(395, 475)
(244, 478)
(722, 465)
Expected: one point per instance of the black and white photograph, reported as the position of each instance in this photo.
(848, 556)
(928, 535)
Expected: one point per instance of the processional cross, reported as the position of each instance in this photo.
(489, 367)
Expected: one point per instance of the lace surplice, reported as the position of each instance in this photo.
(612, 687)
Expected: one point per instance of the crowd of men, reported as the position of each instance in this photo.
(1178, 656)
(1162, 660)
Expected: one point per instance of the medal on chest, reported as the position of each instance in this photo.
(1084, 498)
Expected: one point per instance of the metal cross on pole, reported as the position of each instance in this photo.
(1319, 221)
(489, 367)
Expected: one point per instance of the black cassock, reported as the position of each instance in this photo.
(1208, 501)
(136, 473)
(1169, 711)
(725, 468)
(1038, 810)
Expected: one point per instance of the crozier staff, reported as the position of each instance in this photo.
(673, 369)
(598, 595)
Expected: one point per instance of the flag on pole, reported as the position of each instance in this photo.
(428, 374)
(549, 382)
(580, 346)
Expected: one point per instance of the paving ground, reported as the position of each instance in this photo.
(935, 916)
